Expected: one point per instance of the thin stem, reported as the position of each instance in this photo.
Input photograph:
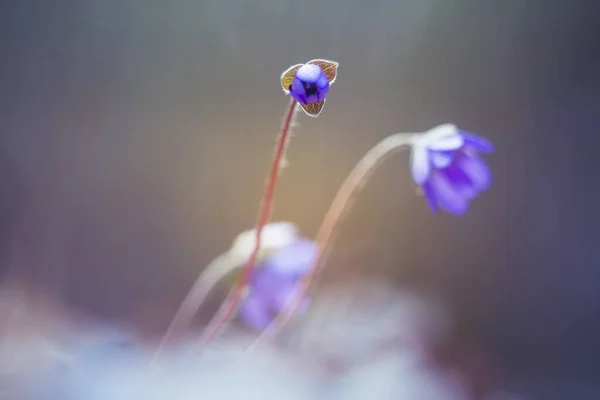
(232, 301)
(275, 234)
(338, 209)
(217, 269)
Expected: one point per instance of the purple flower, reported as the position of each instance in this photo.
(309, 84)
(445, 163)
(275, 282)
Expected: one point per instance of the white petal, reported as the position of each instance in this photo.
(419, 164)
(448, 143)
(273, 236)
(441, 160)
(436, 134)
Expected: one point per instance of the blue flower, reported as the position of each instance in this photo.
(309, 84)
(275, 282)
(445, 163)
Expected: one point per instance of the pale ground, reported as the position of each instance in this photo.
(367, 341)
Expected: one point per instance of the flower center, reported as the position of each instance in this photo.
(310, 89)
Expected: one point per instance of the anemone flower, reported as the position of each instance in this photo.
(309, 83)
(445, 163)
(275, 282)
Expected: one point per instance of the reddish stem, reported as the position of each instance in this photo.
(338, 209)
(232, 301)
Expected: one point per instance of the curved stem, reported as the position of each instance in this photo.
(338, 209)
(211, 275)
(274, 235)
(234, 297)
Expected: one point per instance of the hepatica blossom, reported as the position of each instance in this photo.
(309, 84)
(445, 163)
(275, 282)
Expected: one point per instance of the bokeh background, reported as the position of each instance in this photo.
(135, 137)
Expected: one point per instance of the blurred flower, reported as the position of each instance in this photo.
(445, 163)
(309, 84)
(273, 236)
(275, 282)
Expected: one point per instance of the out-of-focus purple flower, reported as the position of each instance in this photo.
(309, 84)
(445, 163)
(275, 282)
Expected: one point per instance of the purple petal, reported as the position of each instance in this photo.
(311, 99)
(448, 143)
(283, 298)
(323, 83)
(461, 182)
(255, 312)
(477, 142)
(430, 197)
(419, 164)
(294, 259)
(266, 281)
(477, 171)
(297, 91)
(447, 195)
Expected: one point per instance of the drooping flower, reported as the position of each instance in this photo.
(309, 84)
(273, 236)
(445, 163)
(275, 283)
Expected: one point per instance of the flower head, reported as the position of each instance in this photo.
(273, 236)
(445, 163)
(275, 282)
(309, 84)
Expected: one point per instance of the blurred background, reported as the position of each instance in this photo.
(135, 138)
